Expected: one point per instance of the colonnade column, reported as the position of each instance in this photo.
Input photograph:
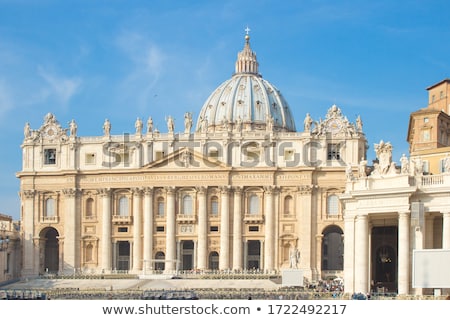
(269, 239)
(202, 248)
(237, 229)
(148, 227)
(30, 249)
(71, 232)
(403, 252)
(106, 229)
(349, 254)
(137, 226)
(446, 230)
(224, 256)
(362, 254)
(170, 231)
(304, 227)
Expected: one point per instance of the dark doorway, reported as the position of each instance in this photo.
(187, 255)
(253, 254)
(51, 254)
(160, 264)
(123, 255)
(384, 259)
(214, 261)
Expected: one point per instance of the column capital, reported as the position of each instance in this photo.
(137, 191)
(70, 192)
(201, 190)
(104, 192)
(270, 189)
(148, 191)
(28, 194)
(224, 189)
(238, 189)
(305, 189)
(170, 190)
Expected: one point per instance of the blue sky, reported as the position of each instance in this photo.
(91, 60)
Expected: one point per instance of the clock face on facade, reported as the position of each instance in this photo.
(334, 126)
(50, 131)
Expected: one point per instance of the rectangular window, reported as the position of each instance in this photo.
(253, 228)
(50, 156)
(426, 135)
(159, 155)
(89, 158)
(160, 229)
(213, 154)
(333, 152)
(426, 167)
(425, 120)
(122, 229)
(288, 155)
(214, 228)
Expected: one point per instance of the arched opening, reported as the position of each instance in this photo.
(160, 265)
(214, 206)
(187, 205)
(89, 208)
(332, 249)
(51, 250)
(253, 202)
(123, 206)
(288, 205)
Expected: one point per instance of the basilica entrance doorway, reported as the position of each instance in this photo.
(384, 259)
(187, 255)
(51, 250)
(253, 254)
(123, 255)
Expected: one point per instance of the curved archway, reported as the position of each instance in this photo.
(50, 250)
(332, 249)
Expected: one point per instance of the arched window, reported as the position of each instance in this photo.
(253, 207)
(288, 205)
(332, 205)
(90, 207)
(214, 206)
(50, 207)
(123, 206)
(160, 202)
(187, 205)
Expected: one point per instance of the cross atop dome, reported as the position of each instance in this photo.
(246, 61)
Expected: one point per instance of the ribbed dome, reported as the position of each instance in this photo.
(246, 99)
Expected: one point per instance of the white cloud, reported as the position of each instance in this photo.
(59, 87)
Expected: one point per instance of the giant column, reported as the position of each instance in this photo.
(349, 254)
(446, 230)
(71, 232)
(362, 254)
(403, 252)
(148, 227)
(28, 247)
(224, 256)
(137, 226)
(170, 231)
(237, 229)
(269, 239)
(106, 229)
(202, 247)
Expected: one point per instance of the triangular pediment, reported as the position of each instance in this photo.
(186, 158)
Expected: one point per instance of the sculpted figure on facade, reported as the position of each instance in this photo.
(269, 123)
(359, 124)
(294, 258)
(107, 127)
(349, 172)
(239, 124)
(187, 122)
(27, 131)
(170, 124)
(138, 125)
(149, 125)
(385, 165)
(73, 128)
(307, 123)
(404, 162)
(362, 168)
